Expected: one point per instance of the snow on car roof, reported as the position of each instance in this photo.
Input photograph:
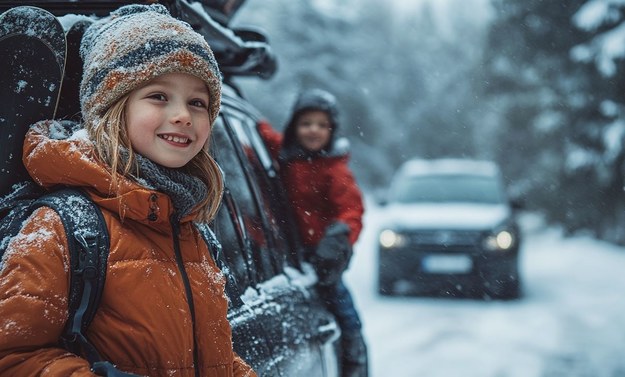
(448, 166)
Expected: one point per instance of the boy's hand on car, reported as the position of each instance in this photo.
(333, 254)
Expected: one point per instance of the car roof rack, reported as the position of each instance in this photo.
(98, 8)
(239, 52)
(222, 11)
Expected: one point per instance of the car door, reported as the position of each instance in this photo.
(279, 324)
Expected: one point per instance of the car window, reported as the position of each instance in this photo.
(248, 126)
(272, 198)
(245, 203)
(286, 231)
(447, 188)
(228, 225)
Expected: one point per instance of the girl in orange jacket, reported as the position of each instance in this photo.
(328, 208)
(150, 92)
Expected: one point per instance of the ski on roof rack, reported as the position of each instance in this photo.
(239, 52)
(222, 11)
(86, 7)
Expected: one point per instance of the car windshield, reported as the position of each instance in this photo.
(447, 188)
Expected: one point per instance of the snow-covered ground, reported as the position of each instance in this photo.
(569, 323)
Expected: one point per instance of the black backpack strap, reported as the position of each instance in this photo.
(21, 195)
(88, 241)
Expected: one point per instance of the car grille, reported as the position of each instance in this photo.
(445, 238)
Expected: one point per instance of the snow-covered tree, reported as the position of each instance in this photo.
(557, 117)
(404, 80)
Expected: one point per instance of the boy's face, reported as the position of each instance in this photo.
(167, 119)
(313, 130)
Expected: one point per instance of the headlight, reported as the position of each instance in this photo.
(501, 240)
(390, 239)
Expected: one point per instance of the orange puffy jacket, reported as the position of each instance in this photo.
(144, 323)
(321, 190)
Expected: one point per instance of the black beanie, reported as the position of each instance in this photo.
(312, 99)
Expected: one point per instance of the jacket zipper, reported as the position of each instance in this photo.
(187, 287)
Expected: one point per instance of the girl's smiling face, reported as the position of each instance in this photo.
(167, 119)
(313, 130)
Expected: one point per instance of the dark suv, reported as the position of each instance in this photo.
(279, 324)
(449, 228)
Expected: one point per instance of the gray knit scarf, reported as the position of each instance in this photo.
(184, 190)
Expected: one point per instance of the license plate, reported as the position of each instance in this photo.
(447, 264)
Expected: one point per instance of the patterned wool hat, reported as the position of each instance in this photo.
(135, 44)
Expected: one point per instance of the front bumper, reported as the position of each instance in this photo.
(471, 272)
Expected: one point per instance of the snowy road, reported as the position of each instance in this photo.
(570, 322)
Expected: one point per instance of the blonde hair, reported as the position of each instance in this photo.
(109, 135)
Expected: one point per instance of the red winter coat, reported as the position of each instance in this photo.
(143, 323)
(321, 190)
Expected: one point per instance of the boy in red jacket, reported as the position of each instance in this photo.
(328, 206)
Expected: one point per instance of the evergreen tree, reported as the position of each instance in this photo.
(604, 22)
(548, 124)
(406, 87)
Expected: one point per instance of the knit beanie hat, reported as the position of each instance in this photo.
(135, 44)
(317, 99)
(313, 99)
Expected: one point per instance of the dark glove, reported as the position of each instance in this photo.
(333, 254)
